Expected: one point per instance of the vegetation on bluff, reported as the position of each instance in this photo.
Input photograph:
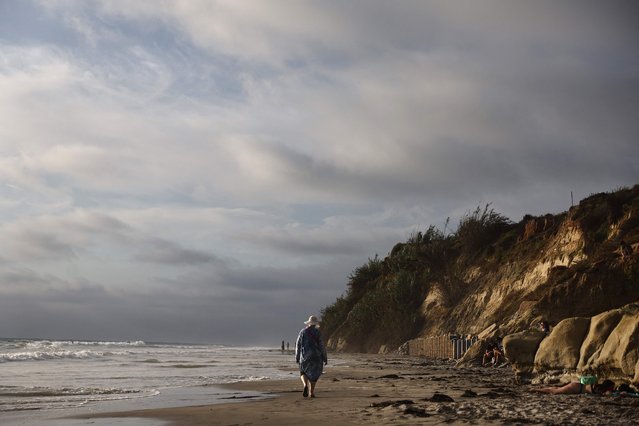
(383, 296)
(435, 281)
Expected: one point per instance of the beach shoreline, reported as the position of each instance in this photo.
(376, 389)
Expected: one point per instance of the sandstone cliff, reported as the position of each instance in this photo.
(493, 271)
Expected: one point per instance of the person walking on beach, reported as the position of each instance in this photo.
(310, 354)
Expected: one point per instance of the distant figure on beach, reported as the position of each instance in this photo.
(544, 326)
(287, 346)
(282, 346)
(310, 354)
(582, 386)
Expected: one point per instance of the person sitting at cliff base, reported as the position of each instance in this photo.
(488, 354)
(494, 355)
(498, 355)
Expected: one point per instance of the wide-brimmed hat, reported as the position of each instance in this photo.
(312, 320)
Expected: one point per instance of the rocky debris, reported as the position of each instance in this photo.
(395, 403)
(390, 376)
(468, 394)
(440, 397)
(415, 411)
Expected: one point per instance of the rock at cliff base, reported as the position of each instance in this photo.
(473, 356)
(600, 328)
(562, 347)
(620, 353)
(520, 349)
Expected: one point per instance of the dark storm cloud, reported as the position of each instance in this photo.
(26, 279)
(43, 245)
(166, 252)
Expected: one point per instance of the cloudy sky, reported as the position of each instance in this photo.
(195, 170)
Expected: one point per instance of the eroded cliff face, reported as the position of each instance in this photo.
(579, 263)
(509, 294)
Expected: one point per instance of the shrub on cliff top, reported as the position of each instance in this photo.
(364, 277)
(478, 229)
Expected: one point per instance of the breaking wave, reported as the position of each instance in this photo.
(41, 350)
(55, 354)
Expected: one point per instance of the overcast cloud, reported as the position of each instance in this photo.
(213, 171)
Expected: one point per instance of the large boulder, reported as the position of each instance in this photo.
(561, 349)
(520, 349)
(606, 345)
(474, 355)
(620, 354)
(600, 328)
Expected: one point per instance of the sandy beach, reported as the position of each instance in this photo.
(375, 389)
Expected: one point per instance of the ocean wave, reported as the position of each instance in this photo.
(38, 398)
(241, 378)
(62, 343)
(186, 366)
(36, 345)
(49, 392)
(54, 354)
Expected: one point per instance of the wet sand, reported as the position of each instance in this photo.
(395, 390)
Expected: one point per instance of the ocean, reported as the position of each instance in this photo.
(41, 379)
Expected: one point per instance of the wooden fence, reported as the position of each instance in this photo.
(447, 346)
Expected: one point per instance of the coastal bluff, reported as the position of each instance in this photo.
(577, 270)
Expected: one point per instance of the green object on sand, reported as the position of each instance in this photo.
(587, 380)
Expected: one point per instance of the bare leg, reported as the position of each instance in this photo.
(485, 360)
(313, 388)
(307, 384)
(570, 388)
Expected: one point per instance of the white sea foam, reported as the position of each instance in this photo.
(54, 354)
(46, 392)
(62, 343)
(42, 350)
